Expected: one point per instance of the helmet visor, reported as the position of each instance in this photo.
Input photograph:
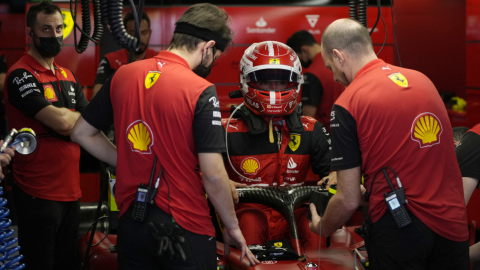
(272, 79)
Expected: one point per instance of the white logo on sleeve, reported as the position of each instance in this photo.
(217, 114)
(214, 102)
(291, 164)
(19, 80)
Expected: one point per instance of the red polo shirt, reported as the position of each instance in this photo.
(394, 117)
(52, 171)
(161, 108)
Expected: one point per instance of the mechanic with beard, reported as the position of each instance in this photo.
(114, 60)
(43, 96)
(167, 124)
(319, 90)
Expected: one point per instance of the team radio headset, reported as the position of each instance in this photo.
(395, 200)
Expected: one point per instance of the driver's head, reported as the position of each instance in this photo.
(270, 78)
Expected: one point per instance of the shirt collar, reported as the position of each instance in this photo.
(368, 67)
(32, 62)
(173, 57)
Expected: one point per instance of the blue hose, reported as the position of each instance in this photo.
(7, 259)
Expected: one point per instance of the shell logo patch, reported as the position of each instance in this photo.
(250, 165)
(49, 93)
(278, 244)
(139, 136)
(151, 78)
(294, 142)
(63, 73)
(426, 130)
(399, 79)
(67, 23)
(274, 61)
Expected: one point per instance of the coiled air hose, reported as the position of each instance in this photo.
(117, 27)
(86, 24)
(353, 9)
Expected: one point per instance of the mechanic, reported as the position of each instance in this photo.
(271, 143)
(47, 98)
(112, 61)
(393, 117)
(164, 109)
(468, 157)
(319, 90)
(458, 133)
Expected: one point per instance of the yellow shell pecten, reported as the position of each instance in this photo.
(250, 166)
(140, 137)
(49, 94)
(426, 129)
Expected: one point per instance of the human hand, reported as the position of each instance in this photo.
(234, 237)
(362, 197)
(328, 180)
(233, 187)
(6, 157)
(314, 224)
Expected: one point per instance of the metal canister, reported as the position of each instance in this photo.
(311, 266)
(26, 141)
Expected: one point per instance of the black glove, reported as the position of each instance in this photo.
(169, 241)
(365, 230)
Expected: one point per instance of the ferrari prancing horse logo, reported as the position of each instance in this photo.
(294, 142)
(151, 78)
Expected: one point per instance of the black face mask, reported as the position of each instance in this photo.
(203, 71)
(49, 46)
(306, 64)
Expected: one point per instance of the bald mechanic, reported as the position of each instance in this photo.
(114, 60)
(167, 124)
(414, 139)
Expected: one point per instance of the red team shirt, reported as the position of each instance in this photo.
(319, 79)
(161, 108)
(52, 171)
(391, 116)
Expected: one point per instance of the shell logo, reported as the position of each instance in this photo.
(426, 130)
(139, 136)
(49, 93)
(250, 165)
(278, 244)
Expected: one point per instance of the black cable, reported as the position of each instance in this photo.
(353, 9)
(378, 17)
(362, 12)
(91, 226)
(394, 36)
(385, 26)
(74, 17)
(97, 19)
(153, 172)
(104, 11)
(103, 190)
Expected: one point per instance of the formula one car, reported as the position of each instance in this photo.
(342, 251)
